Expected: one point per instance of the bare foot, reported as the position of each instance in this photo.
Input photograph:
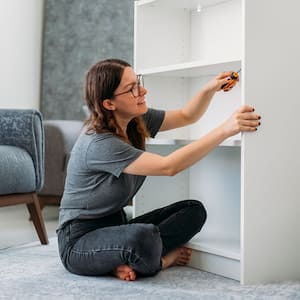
(178, 257)
(124, 272)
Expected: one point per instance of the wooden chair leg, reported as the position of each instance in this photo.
(37, 218)
(42, 203)
(46, 200)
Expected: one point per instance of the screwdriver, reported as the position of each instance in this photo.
(233, 77)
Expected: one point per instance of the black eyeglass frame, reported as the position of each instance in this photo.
(140, 82)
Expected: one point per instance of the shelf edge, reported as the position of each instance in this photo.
(183, 142)
(187, 66)
(198, 246)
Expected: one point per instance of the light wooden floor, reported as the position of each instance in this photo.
(16, 229)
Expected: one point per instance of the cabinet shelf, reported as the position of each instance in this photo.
(182, 142)
(193, 69)
(191, 4)
(229, 248)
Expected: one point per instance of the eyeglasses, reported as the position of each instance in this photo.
(136, 89)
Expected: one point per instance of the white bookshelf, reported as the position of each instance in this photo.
(248, 184)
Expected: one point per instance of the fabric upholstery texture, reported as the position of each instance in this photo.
(23, 129)
(17, 172)
(60, 136)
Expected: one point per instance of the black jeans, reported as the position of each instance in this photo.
(98, 246)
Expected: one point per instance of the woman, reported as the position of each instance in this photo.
(108, 165)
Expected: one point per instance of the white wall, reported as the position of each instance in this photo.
(21, 23)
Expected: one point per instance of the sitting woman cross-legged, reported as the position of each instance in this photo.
(108, 165)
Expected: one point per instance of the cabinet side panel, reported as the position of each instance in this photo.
(270, 157)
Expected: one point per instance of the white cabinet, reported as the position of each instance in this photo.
(249, 184)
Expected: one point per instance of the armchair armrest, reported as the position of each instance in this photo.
(23, 128)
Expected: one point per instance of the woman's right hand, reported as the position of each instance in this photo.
(243, 119)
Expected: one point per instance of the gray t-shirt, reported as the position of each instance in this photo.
(95, 184)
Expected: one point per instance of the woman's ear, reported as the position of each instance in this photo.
(108, 104)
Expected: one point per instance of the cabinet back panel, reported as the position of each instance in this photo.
(161, 36)
(168, 93)
(222, 106)
(171, 93)
(158, 191)
(215, 181)
(216, 32)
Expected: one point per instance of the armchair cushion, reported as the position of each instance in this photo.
(17, 173)
(22, 128)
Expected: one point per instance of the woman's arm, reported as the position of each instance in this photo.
(196, 107)
(243, 119)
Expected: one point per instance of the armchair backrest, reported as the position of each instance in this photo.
(24, 128)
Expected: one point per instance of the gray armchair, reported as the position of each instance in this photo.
(22, 162)
(60, 136)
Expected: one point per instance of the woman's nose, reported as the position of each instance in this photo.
(143, 91)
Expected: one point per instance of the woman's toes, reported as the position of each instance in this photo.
(124, 272)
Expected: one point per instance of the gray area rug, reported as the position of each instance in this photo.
(33, 271)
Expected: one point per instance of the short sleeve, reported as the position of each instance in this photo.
(153, 119)
(108, 153)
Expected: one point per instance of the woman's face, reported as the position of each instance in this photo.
(129, 97)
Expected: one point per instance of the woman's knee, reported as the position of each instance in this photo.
(197, 212)
(143, 236)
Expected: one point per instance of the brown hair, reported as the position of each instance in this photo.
(101, 81)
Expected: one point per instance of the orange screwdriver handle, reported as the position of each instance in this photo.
(234, 76)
